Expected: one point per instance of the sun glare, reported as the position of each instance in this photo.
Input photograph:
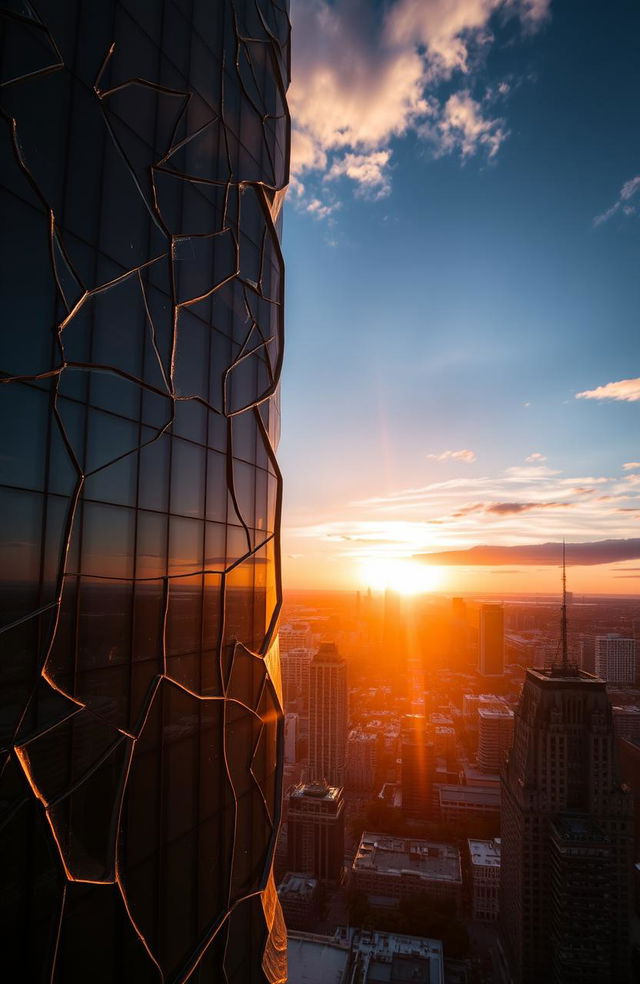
(407, 577)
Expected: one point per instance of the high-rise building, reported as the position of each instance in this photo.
(315, 830)
(495, 734)
(417, 767)
(491, 640)
(144, 167)
(296, 670)
(328, 716)
(484, 860)
(566, 836)
(295, 635)
(361, 760)
(616, 658)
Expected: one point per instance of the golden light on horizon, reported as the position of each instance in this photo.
(406, 576)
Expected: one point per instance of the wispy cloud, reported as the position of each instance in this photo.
(631, 465)
(463, 455)
(623, 389)
(364, 74)
(546, 554)
(626, 203)
(370, 171)
(534, 457)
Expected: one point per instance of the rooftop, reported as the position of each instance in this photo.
(317, 790)
(427, 860)
(485, 853)
(298, 885)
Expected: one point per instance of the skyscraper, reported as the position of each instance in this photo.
(491, 640)
(145, 157)
(615, 658)
(417, 768)
(566, 836)
(328, 716)
(315, 830)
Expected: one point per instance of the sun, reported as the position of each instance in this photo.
(407, 577)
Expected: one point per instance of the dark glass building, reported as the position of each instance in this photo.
(145, 153)
(565, 876)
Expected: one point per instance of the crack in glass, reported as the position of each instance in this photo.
(144, 160)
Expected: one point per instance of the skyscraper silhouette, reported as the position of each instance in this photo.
(566, 834)
(328, 716)
(145, 157)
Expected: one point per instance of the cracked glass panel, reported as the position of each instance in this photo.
(144, 153)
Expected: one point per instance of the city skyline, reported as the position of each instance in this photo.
(462, 240)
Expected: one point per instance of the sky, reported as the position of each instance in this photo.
(462, 241)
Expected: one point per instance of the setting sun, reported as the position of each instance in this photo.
(407, 577)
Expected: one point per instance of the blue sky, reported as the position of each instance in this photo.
(462, 240)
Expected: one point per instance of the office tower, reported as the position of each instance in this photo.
(491, 640)
(495, 733)
(417, 767)
(566, 835)
(296, 669)
(484, 863)
(143, 172)
(315, 831)
(290, 738)
(616, 658)
(361, 760)
(295, 635)
(328, 715)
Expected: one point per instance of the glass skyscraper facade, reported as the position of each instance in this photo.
(145, 152)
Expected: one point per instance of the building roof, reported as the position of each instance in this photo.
(485, 853)
(428, 860)
(316, 959)
(296, 885)
(316, 790)
(470, 795)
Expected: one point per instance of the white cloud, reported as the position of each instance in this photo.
(463, 455)
(369, 171)
(623, 203)
(464, 127)
(321, 210)
(364, 74)
(623, 389)
(631, 465)
(535, 456)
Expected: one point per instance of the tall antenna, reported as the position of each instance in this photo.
(565, 648)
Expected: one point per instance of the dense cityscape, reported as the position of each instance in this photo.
(400, 715)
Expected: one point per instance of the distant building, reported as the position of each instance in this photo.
(368, 957)
(484, 860)
(467, 803)
(296, 670)
(315, 831)
(626, 722)
(495, 735)
(388, 869)
(417, 767)
(299, 896)
(566, 836)
(328, 716)
(361, 760)
(491, 640)
(295, 635)
(290, 738)
(616, 658)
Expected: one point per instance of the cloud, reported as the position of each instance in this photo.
(464, 127)
(535, 456)
(370, 172)
(321, 210)
(507, 508)
(464, 455)
(631, 465)
(364, 74)
(624, 389)
(546, 554)
(624, 203)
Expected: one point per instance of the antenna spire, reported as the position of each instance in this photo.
(565, 648)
